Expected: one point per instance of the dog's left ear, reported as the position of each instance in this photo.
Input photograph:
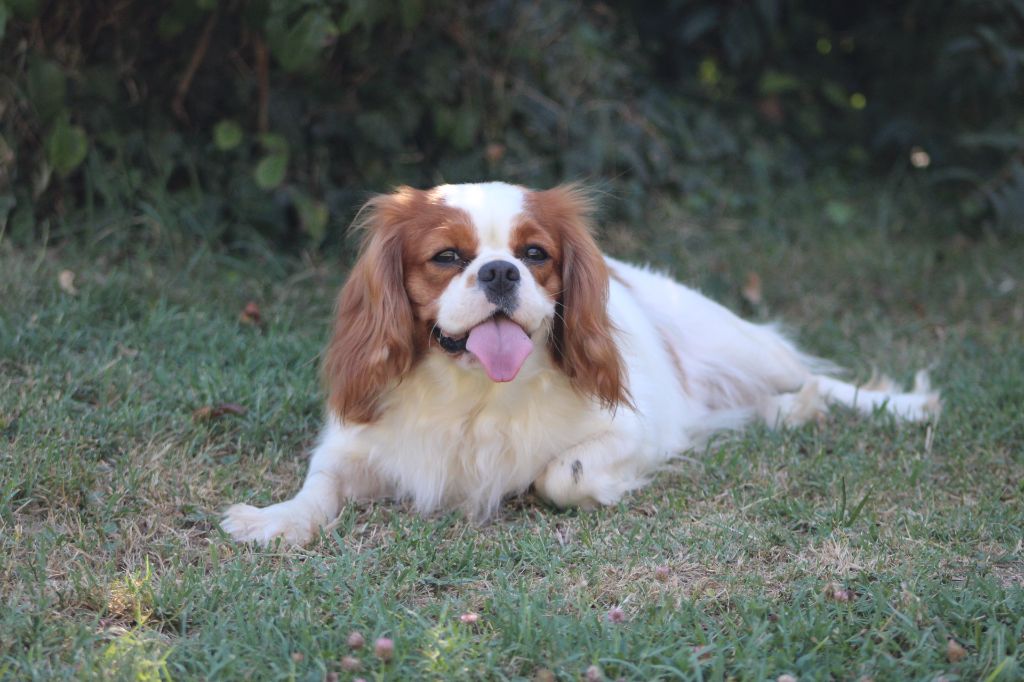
(583, 342)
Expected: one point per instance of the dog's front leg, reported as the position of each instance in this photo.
(597, 471)
(337, 471)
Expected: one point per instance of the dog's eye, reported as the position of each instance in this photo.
(446, 257)
(535, 253)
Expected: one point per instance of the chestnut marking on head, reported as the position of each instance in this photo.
(482, 273)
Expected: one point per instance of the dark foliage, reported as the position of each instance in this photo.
(280, 116)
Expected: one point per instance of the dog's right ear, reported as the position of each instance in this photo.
(372, 346)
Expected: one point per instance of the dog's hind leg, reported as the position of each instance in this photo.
(921, 403)
(811, 401)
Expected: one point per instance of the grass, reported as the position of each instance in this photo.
(851, 548)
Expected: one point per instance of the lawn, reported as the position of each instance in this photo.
(851, 548)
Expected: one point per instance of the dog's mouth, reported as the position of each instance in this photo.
(450, 344)
(500, 345)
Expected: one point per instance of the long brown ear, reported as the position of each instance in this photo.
(372, 345)
(583, 340)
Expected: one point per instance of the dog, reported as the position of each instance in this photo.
(483, 344)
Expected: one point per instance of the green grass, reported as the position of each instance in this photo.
(112, 565)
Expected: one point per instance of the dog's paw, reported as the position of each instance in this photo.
(796, 409)
(916, 407)
(921, 404)
(288, 521)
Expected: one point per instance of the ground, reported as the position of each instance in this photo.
(851, 548)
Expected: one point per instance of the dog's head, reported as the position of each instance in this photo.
(484, 274)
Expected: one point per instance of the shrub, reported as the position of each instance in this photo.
(278, 116)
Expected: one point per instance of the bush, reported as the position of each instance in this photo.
(278, 117)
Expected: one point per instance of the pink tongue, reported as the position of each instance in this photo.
(501, 346)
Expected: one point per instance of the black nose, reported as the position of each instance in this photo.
(499, 280)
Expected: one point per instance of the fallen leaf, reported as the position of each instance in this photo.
(495, 152)
(66, 280)
(752, 289)
(544, 675)
(954, 651)
(127, 352)
(837, 592)
(251, 314)
(384, 648)
(615, 615)
(771, 109)
(208, 412)
(703, 653)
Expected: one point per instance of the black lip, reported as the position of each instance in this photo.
(454, 346)
(449, 344)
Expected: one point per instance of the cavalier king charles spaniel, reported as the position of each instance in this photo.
(483, 344)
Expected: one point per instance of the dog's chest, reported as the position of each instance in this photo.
(447, 440)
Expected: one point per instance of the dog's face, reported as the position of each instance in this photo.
(488, 279)
(484, 274)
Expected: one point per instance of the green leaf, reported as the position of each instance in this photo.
(47, 88)
(708, 72)
(357, 12)
(776, 83)
(66, 147)
(410, 11)
(23, 9)
(227, 134)
(297, 46)
(839, 212)
(3, 19)
(313, 214)
(21, 222)
(1004, 141)
(169, 26)
(8, 202)
(7, 156)
(274, 143)
(466, 124)
(271, 169)
(835, 94)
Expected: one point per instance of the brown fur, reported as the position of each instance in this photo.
(382, 323)
(387, 307)
(582, 341)
(677, 364)
(547, 274)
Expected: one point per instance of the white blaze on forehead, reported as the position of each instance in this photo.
(493, 207)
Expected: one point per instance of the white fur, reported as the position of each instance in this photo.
(448, 437)
(493, 208)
